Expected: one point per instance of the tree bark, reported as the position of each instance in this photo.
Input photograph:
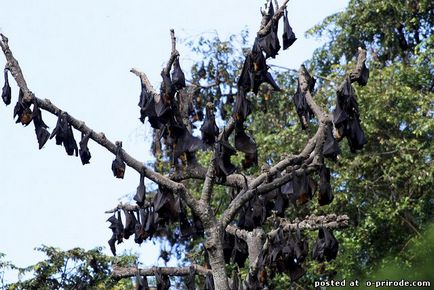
(214, 246)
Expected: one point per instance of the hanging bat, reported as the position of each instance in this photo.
(270, 42)
(167, 89)
(331, 147)
(118, 165)
(140, 195)
(163, 281)
(242, 107)
(64, 135)
(288, 37)
(223, 153)
(42, 135)
(325, 194)
(326, 246)
(240, 252)
(178, 77)
(6, 91)
(209, 282)
(84, 150)
(22, 110)
(141, 282)
(245, 143)
(209, 127)
(346, 117)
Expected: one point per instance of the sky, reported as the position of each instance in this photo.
(78, 54)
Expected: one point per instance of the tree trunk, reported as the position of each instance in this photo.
(214, 246)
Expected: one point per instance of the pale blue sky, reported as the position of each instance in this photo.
(78, 54)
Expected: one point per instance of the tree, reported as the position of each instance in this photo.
(214, 222)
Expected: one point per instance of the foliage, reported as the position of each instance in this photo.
(72, 269)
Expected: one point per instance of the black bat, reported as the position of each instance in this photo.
(246, 144)
(325, 194)
(270, 42)
(6, 91)
(178, 77)
(326, 246)
(22, 110)
(240, 252)
(223, 153)
(139, 230)
(140, 195)
(303, 187)
(209, 127)
(118, 165)
(288, 37)
(130, 224)
(42, 135)
(84, 150)
(190, 281)
(141, 282)
(228, 246)
(331, 146)
(186, 143)
(304, 111)
(209, 282)
(242, 107)
(255, 72)
(64, 135)
(112, 244)
(167, 89)
(346, 117)
(163, 281)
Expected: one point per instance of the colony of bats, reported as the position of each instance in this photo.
(287, 251)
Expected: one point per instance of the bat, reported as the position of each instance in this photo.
(140, 195)
(130, 224)
(209, 282)
(190, 281)
(331, 147)
(242, 107)
(84, 150)
(246, 144)
(255, 72)
(64, 135)
(325, 194)
(270, 42)
(167, 89)
(163, 281)
(304, 111)
(288, 36)
(346, 117)
(186, 143)
(42, 135)
(178, 77)
(240, 252)
(118, 165)
(141, 282)
(303, 188)
(209, 127)
(228, 246)
(112, 245)
(223, 153)
(22, 110)
(6, 91)
(326, 246)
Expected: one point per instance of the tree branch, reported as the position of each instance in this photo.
(174, 53)
(126, 272)
(99, 138)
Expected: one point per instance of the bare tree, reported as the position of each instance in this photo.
(259, 243)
